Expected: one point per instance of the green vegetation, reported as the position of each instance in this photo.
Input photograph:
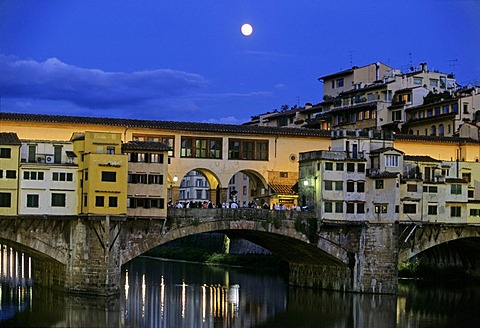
(210, 249)
(420, 270)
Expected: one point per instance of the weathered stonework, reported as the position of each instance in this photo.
(84, 254)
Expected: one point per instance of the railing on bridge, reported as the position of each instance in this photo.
(253, 214)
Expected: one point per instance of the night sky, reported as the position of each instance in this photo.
(188, 60)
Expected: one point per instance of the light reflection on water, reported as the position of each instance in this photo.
(170, 294)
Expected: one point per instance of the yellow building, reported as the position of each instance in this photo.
(9, 162)
(102, 173)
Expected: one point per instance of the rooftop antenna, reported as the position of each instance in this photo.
(453, 63)
(350, 57)
(410, 60)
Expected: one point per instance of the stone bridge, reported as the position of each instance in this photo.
(84, 254)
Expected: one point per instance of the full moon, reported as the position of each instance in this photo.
(247, 29)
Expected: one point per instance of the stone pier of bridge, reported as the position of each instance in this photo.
(84, 254)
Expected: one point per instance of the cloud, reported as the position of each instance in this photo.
(93, 88)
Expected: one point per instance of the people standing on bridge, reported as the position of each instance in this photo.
(210, 205)
(179, 205)
(233, 205)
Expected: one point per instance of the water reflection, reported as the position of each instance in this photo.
(159, 294)
(170, 294)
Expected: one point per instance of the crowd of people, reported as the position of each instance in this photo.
(233, 204)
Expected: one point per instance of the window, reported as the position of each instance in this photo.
(201, 147)
(5, 199)
(248, 149)
(350, 207)
(109, 176)
(411, 187)
(328, 166)
(328, 185)
(283, 174)
(350, 167)
(455, 211)
(470, 194)
(328, 207)
(156, 158)
(361, 167)
(137, 178)
(409, 208)
(32, 152)
(360, 207)
(432, 210)
(350, 186)
(33, 175)
(475, 212)
(57, 154)
(58, 200)
(381, 208)
(32, 200)
(467, 177)
(11, 174)
(1, 174)
(456, 189)
(417, 81)
(396, 115)
(112, 201)
(378, 184)
(340, 83)
(111, 150)
(361, 186)
(5, 153)
(62, 176)
(338, 207)
(99, 201)
(339, 166)
(391, 160)
(430, 189)
(338, 185)
(155, 179)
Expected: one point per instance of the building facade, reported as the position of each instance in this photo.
(364, 178)
(48, 178)
(9, 163)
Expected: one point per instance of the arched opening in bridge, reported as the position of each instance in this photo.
(454, 260)
(197, 188)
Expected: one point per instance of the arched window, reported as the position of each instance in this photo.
(434, 130)
(410, 131)
(441, 130)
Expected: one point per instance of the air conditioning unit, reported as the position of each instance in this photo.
(49, 159)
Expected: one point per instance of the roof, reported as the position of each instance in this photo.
(436, 139)
(420, 158)
(145, 145)
(282, 189)
(348, 71)
(165, 125)
(9, 138)
(382, 150)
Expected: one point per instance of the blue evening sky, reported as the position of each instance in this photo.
(186, 60)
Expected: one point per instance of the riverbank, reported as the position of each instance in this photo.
(213, 249)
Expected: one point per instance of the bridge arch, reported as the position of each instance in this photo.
(286, 242)
(421, 238)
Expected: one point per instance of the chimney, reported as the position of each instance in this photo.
(424, 67)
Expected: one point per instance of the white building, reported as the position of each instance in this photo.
(48, 178)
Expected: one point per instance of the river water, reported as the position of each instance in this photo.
(159, 293)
